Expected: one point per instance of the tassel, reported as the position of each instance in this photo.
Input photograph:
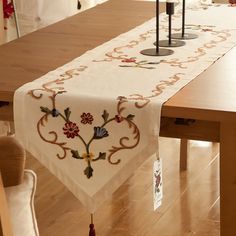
(91, 227)
(78, 5)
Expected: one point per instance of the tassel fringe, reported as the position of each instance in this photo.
(91, 227)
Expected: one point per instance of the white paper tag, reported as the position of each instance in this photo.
(157, 184)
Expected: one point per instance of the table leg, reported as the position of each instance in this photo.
(183, 154)
(2, 34)
(228, 179)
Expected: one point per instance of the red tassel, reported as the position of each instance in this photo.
(92, 230)
(91, 227)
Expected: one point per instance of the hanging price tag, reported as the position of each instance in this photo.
(157, 184)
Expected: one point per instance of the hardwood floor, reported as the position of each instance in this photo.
(190, 204)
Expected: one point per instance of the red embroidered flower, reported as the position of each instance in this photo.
(8, 8)
(129, 60)
(118, 118)
(86, 118)
(71, 129)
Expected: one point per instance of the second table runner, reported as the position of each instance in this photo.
(95, 120)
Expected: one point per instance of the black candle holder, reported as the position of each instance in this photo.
(170, 9)
(184, 35)
(157, 51)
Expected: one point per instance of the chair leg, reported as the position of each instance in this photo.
(11, 128)
(183, 154)
(12, 161)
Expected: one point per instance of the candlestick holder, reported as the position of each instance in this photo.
(170, 43)
(157, 51)
(184, 35)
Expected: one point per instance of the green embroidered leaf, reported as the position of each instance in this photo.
(125, 66)
(88, 171)
(141, 62)
(45, 110)
(130, 117)
(67, 113)
(75, 154)
(101, 156)
(105, 115)
(153, 63)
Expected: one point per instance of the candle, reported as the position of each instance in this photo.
(170, 7)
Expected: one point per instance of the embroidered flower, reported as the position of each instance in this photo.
(88, 156)
(100, 132)
(86, 118)
(232, 1)
(55, 112)
(118, 118)
(71, 129)
(129, 60)
(157, 182)
(8, 9)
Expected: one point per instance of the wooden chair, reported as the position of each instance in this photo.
(17, 188)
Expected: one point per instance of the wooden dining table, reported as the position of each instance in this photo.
(205, 109)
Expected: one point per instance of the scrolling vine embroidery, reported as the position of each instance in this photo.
(71, 129)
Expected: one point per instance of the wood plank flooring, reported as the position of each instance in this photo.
(190, 205)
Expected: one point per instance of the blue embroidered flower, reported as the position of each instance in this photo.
(100, 132)
(55, 112)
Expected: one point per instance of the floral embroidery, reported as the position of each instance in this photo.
(118, 118)
(140, 64)
(71, 130)
(100, 132)
(88, 156)
(55, 112)
(142, 101)
(204, 28)
(221, 36)
(8, 8)
(86, 118)
(132, 59)
(157, 176)
(118, 54)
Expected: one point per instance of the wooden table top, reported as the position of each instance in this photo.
(211, 96)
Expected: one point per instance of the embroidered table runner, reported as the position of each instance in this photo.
(93, 121)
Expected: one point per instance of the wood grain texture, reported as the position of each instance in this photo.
(228, 178)
(210, 96)
(12, 161)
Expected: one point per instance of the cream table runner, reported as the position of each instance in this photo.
(93, 121)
